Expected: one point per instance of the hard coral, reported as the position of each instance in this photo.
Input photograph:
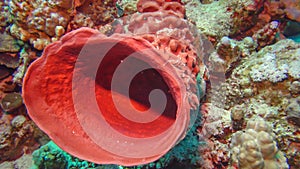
(255, 148)
(92, 13)
(51, 156)
(17, 136)
(37, 22)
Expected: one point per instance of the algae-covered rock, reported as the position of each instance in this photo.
(8, 43)
(11, 101)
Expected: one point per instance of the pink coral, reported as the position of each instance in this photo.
(70, 87)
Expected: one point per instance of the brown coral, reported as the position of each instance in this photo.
(92, 13)
(292, 9)
(36, 21)
(17, 136)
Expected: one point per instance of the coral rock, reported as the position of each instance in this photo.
(11, 102)
(293, 111)
(36, 21)
(8, 43)
(17, 137)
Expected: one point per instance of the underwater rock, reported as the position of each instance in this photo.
(24, 162)
(9, 60)
(224, 18)
(93, 14)
(266, 35)
(73, 87)
(4, 72)
(292, 9)
(293, 111)
(127, 6)
(215, 121)
(237, 117)
(8, 43)
(17, 136)
(11, 101)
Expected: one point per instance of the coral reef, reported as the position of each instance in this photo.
(39, 22)
(164, 41)
(251, 82)
(264, 84)
(211, 19)
(275, 64)
(184, 154)
(239, 18)
(18, 136)
(215, 121)
(11, 101)
(42, 22)
(8, 43)
(293, 111)
(24, 162)
(256, 148)
(93, 14)
(127, 7)
(5, 16)
(292, 9)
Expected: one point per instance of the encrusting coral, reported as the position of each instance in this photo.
(240, 18)
(18, 136)
(268, 89)
(92, 13)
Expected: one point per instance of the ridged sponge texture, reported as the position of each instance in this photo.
(256, 148)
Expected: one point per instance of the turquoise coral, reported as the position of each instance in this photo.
(50, 156)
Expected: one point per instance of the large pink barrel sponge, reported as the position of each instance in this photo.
(123, 99)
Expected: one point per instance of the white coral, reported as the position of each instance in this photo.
(269, 70)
